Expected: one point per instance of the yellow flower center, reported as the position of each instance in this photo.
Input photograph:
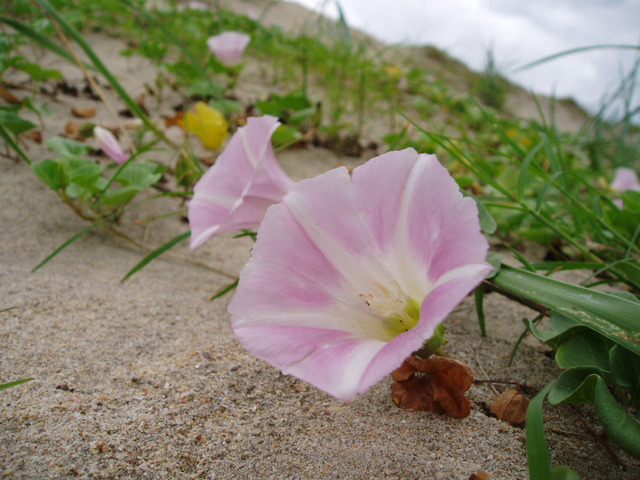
(400, 313)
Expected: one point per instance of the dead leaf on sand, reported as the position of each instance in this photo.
(177, 119)
(436, 384)
(510, 407)
(35, 135)
(481, 475)
(86, 112)
(8, 96)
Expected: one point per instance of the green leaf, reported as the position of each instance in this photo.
(51, 173)
(65, 147)
(36, 72)
(614, 317)
(537, 453)
(562, 472)
(13, 384)
(579, 385)
(631, 200)
(14, 122)
(285, 135)
(300, 116)
(225, 106)
(495, 260)
(205, 88)
(479, 298)
(488, 224)
(587, 349)
(118, 196)
(619, 425)
(156, 253)
(82, 171)
(562, 329)
(575, 385)
(139, 175)
(625, 368)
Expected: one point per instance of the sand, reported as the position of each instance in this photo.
(146, 380)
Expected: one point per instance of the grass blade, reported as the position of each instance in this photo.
(39, 39)
(537, 453)
(14, 145)
(224, 290)
(101, 67)
(156, 253)
(13, 384)
(69, 242)
(478, 294)
(175, 40)
(575, 50)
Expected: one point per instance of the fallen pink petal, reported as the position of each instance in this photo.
(109, 144)
(229, 47)
(236, 191)
(350, 275)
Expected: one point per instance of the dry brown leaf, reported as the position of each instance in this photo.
(436, 384)
(481, 475)
(177, 119)
(86, 112)
(72, 128)
(8, 96)
(35, 135)
(510, 407)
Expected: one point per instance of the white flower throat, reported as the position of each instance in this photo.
(400, 312)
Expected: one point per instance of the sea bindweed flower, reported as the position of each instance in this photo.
(350, 275)
(109, 144)
(236, 191)
(624, 179)
(229, 47)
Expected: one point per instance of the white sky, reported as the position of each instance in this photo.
(520, 31)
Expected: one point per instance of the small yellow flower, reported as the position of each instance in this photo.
(393, 71)
(208, 124)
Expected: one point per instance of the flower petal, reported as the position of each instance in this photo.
(435, 308)
(109, 144)
(229, 47)
(625, 179)
(338, 262)
(236, 191)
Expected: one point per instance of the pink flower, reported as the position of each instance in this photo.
(196, 5)
(109, 144)
(624, 179)
(236, 191)
(229, 47)
(349, 276)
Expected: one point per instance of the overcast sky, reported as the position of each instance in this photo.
(520, 31)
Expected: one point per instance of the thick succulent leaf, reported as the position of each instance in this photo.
(578, 385)
(587, 349)
(575, 385)
(616, 318)
(562, 472)
(562, 329)
(625, 368)
(619, 425)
